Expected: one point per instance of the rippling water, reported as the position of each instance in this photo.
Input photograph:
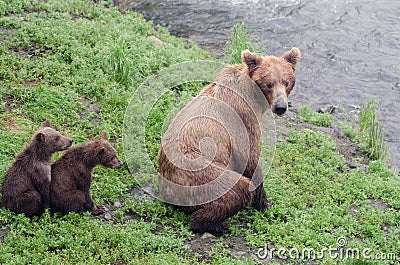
(350, 49)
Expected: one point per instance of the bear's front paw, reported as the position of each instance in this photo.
(260, 200)
(262, 205)
(99, 209)
(219, 229)
(46, 205)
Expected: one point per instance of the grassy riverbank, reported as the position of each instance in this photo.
(78, 64)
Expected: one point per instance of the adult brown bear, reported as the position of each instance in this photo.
(208, 160)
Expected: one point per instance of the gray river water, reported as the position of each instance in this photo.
(350, 49)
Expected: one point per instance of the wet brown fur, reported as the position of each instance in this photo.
(236, 163)
(26, 186)
(72, 176)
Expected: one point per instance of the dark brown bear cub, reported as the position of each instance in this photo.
(209, 155)
(71, 176)
(26, 186)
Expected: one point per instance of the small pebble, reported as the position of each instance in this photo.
(117, 204)
(127, 218)
(107, 216)
(240, 254)
(207, 235)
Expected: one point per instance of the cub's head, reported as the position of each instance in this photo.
(274, 76)
(106, 154)
(50, 139)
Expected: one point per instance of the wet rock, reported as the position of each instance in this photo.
(117, 204)
(207, 236)
(155, 40)
(328, 108)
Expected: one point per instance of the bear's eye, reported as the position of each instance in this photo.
(270, 85)
(286, 83)
(57, 138)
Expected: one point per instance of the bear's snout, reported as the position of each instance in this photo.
(116, 164)
(119, 165)
(69, 143)
(279, 107)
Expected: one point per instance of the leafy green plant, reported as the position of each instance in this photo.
(315, 118)
(347, 129)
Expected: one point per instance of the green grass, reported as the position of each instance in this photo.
(313, 192)
(76, 239)
(319, 119)
(240, 39)
(79, 63)
(370, 134)
(347, 129)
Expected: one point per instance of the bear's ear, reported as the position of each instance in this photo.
(46, 123)
(292, 57)
(100, 150)
(41, 137)
(103, 135)
(250, 59)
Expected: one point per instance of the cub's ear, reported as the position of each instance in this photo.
(46, 123)
(100, 150)
(292, 57)
(103, 135)
(41, 137)
(251, 60)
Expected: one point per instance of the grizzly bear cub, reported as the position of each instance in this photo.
(209, 155)
(71, 176)
(26, 186)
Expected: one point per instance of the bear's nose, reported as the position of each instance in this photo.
(280, 108)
